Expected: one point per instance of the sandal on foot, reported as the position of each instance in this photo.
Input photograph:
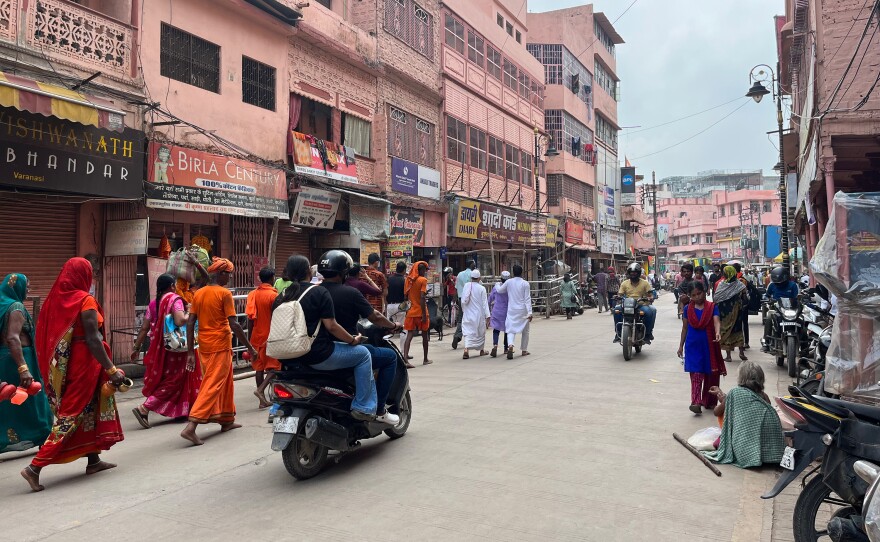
(141, 418)
(696, 409)
(465, 355)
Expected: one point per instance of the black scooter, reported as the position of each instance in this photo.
(315, 411)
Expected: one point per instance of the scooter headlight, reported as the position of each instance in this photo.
(789, 314)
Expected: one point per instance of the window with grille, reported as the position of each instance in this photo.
(525, 85)
(410, 137)
(456, 140)
(510, 75)
(257, 83)
(603, 37)
(188, 58)
(478, 148)
(410, 23)
(496, 156)
(605, 131)
(454, 33)
(710, 238)
(475, 49)
(562, 67)
(554, 188)
(512, 170)
(526, 161)
(493, 62)
(606, 81)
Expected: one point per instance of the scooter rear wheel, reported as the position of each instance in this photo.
(405, 413)
(303, 458)
(812, 512)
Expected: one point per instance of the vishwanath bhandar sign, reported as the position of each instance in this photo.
(48, 153)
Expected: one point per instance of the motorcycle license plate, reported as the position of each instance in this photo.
(788, 458)
(287, 424)
(789, 324)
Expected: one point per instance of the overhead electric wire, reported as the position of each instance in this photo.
(693, 136)
(853, 59)
(686, 117)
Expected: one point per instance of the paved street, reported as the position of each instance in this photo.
(571, 443)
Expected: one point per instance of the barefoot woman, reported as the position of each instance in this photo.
(75, 362)
(212, 307)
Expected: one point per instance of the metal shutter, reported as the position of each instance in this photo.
(289, 243)
(39, 236)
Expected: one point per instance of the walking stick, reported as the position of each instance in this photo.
(694, 451)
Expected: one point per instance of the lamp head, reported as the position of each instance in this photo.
(551, 149)
(757, 92)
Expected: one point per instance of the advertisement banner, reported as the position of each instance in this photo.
(627, 186)
(323, 159)
(662, 234)
(414, 179)
(574, 233)
(183, 179)
(613, 241)
(475, 220)
(48, 153)
(126, 237)
(552, 231)
(607, 214)
(315, 208)
(367, 248)
(399, 246)
(408, 222)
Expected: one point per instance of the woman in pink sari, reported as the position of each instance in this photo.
(169, 388)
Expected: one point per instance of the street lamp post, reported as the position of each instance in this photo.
(757, 77)
(551, 151)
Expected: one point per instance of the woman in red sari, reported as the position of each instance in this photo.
(169, 388)
(75, 362)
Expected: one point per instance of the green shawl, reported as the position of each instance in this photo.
(751, 434)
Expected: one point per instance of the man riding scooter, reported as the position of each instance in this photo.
(638, 288)
(350, 305)
(780, 286)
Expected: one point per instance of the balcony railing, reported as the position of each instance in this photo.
(70, 34)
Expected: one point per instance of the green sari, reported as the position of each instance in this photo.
(27, 425)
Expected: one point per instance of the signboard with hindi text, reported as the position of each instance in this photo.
(482, 221)
(183, 179)
(315, 208)
(126, 237)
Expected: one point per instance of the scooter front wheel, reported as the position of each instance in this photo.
(303, 458)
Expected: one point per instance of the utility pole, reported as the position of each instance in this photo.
(656, 239)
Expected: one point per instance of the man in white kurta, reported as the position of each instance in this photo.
(519, 310)
(475, 314)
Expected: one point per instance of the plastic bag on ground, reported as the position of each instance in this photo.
(704, 439)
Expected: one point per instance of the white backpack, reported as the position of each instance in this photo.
(288, 336)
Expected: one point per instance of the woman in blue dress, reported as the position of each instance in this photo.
(700, 347)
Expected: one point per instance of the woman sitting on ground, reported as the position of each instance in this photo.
(751, 434)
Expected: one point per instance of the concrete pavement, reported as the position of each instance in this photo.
(570, 443)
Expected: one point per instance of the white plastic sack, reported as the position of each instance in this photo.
(704, 439)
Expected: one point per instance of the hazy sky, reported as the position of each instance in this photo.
(682, 57)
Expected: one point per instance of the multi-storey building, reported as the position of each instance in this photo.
(827, 63)
(743, 220)
(493, 103)
(577, 49)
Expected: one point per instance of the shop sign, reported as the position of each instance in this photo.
(370, 221)
(399, 246)
(367, 248)
(607, 214)
(126, 237)
(613, 241)
(574, 233)
(323, 159)
(552, 232)
(662, 234)
(48, 153)
(183, 179)
(315, 208)
(627, 186)
(408, 222)
(411, 178)
(477, 220)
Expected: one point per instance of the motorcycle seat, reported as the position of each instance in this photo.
(864, 412)
(296, 370)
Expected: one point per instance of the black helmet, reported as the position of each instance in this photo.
(780, 275)
(634, 267)
(334, 263)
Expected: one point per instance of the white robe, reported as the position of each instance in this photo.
(475, 310)
(519, 304)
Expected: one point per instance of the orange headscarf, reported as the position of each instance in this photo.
(183, 290)
(412, 276)
(221, 264)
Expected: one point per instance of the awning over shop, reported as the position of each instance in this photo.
(50, 100)
(356, 194)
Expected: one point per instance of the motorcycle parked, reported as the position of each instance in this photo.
(315, 411)
(841, 432)
(785, 342)
(631, 329)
